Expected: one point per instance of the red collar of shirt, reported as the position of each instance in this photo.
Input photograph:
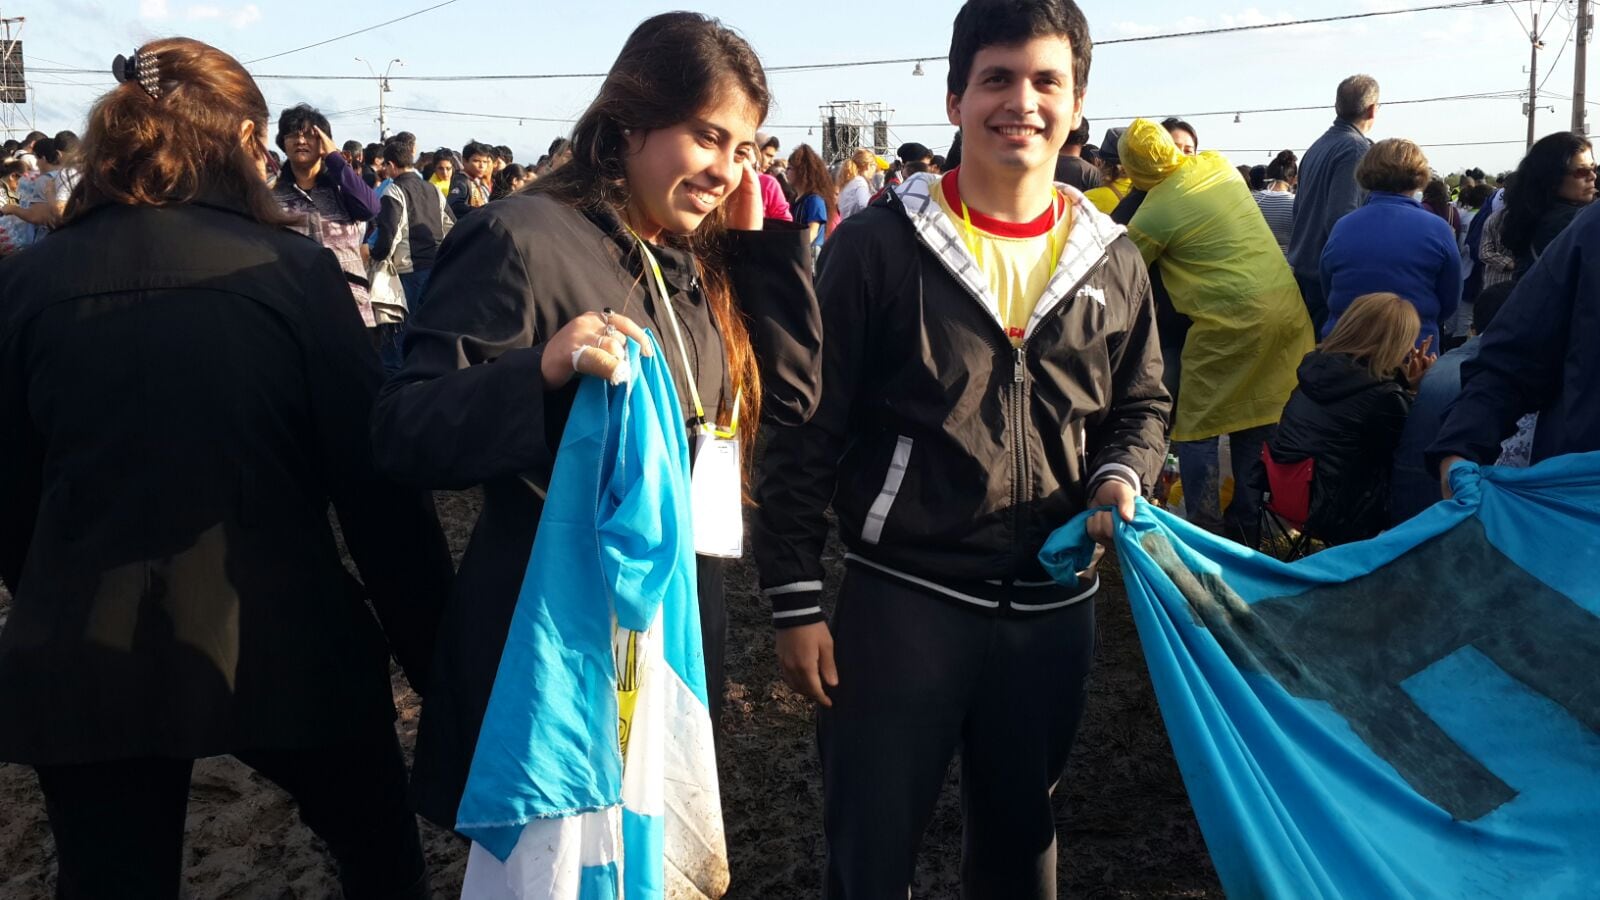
(1037, 228)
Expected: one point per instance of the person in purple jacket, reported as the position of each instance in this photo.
(320, 184)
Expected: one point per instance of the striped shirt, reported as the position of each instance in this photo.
(1278, 208)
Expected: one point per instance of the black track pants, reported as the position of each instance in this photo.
(118, 825)
(921, 679)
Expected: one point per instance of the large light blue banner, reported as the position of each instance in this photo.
(1413, 716)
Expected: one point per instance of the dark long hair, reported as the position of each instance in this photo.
(670, 68)
(1284, 167)
(1539, 178)
(183, 146)
(808, 175)
(503, 179)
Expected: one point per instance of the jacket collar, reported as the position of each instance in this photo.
(1087, 244)
(1340, 126)
(1392, 198)
(677, 266)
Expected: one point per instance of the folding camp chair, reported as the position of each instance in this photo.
(1285, 506)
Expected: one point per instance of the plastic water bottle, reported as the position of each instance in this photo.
(1169, 478)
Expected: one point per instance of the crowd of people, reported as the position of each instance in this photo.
(954, 355)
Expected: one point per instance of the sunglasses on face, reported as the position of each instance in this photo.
(1584, 173)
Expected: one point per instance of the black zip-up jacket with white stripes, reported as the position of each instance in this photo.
(947, 454)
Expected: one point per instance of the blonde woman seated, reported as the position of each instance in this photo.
(1348, 412)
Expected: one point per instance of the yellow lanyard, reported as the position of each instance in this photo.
(705, 426)
(971, 236)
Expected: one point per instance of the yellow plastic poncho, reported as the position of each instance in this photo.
(1223, 269)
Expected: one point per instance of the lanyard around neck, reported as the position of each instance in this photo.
(701, 422)
(1056, 202)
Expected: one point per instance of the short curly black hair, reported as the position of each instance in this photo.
(298, 118)
(990, 23)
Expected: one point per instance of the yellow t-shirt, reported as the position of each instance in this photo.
(1106, 197)
(1017, 257)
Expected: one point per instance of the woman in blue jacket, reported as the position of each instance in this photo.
(1392, 244)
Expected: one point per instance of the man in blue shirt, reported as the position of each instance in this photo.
(1328, 188)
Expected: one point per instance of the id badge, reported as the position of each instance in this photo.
(714, 497)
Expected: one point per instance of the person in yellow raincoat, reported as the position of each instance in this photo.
(1117, 185)
(1223, 269)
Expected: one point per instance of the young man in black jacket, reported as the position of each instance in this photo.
(413, 219)
(990, 369)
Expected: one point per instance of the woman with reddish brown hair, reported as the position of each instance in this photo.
(816, 197)
(185, 387)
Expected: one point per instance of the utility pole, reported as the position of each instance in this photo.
(1580, 112)
(1533, 79)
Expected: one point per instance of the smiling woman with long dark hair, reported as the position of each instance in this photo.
(178, 416)
(518, 307)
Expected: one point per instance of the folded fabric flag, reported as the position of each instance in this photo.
(1417, 715)
(594, 776)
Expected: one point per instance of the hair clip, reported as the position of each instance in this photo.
(140, 67)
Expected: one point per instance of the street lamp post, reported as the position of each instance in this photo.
(383, 88)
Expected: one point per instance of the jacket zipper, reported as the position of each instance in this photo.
(1019, 443)
(1018, 425)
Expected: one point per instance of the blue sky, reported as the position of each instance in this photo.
(1415, 56)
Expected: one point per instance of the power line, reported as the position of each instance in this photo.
(1445, 144)
(63, 83)
(809, 67)
(1554, 18)
(448, 112)
(1482, 95)
(1204, 32)
(351, 34)
(350, 112)
(1493, 95)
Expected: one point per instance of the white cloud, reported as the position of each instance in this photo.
(239, 17)
(247, 15)
(1253, 16)
(1134, 29)
(1462, 28)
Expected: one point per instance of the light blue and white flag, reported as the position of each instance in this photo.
(1417, 715)
(594, 776)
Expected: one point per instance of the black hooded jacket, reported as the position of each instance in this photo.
(1350, 422)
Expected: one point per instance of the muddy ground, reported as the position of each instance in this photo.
(1125, 823)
